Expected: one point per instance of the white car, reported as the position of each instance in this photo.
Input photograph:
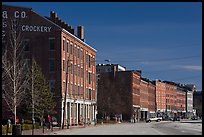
(157, 119)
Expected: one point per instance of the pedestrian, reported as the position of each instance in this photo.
(49, 120)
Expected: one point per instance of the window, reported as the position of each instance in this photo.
(71, 68)
(89, 77)
(79, 71)
(89, 94)
(64, 87)
(67, 66)
(28, 63)
(67, 46)
(75, 70)
(51, 65)
(82, 73)
(82, 91)
(82, 55)
(52, 43)
(63, 65)
(71, 88)
(52, 85)
(71, 45)
(64, 43)
(74, 89)
(26, 45)
(79, 53)
(75, 50)
(89, 60)
(78, 90)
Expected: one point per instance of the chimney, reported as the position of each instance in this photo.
(53, 15)
(80, 32)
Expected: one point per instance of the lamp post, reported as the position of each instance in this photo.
(66, 85)
(65, 97)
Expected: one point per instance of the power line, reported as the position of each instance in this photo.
(157, 60)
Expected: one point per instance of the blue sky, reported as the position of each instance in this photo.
(164, 40)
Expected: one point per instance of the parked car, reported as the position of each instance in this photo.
(171, 118)
(177, 118)
(157, 119)
(194, 118)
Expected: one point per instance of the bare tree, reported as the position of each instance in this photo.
(14, 68)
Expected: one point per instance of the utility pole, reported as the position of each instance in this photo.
(65, 96)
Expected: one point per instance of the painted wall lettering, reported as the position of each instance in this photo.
(4, 14)
(36, 28)
(21, 14)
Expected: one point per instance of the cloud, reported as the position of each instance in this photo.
(190, 67)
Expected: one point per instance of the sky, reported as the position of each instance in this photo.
(163, 39)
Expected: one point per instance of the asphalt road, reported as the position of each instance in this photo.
(153, 128)
(180, 128)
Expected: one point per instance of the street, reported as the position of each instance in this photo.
(187, 127)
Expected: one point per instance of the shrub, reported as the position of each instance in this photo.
(28, 122)
(3, 130)
(37, 125)
(30, 126)
(10, 129)
(27, 126)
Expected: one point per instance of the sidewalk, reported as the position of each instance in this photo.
(50, 131)
(40, 131)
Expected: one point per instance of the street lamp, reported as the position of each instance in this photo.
(65, 97)
(66, 85)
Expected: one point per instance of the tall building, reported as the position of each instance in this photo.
(57, 49)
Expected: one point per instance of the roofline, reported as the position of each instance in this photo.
(144, 81)
(111, 64)
(46, 19)
(64, 30)
(17, 6)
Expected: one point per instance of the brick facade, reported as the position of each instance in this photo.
(118, 94)
(54, 45)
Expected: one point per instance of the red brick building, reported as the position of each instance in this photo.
(151, 98)
(144, 99)
(181, 101)
(119, 93)
(160, 96)
(170, 99)
(147, 98)
(54, 45)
